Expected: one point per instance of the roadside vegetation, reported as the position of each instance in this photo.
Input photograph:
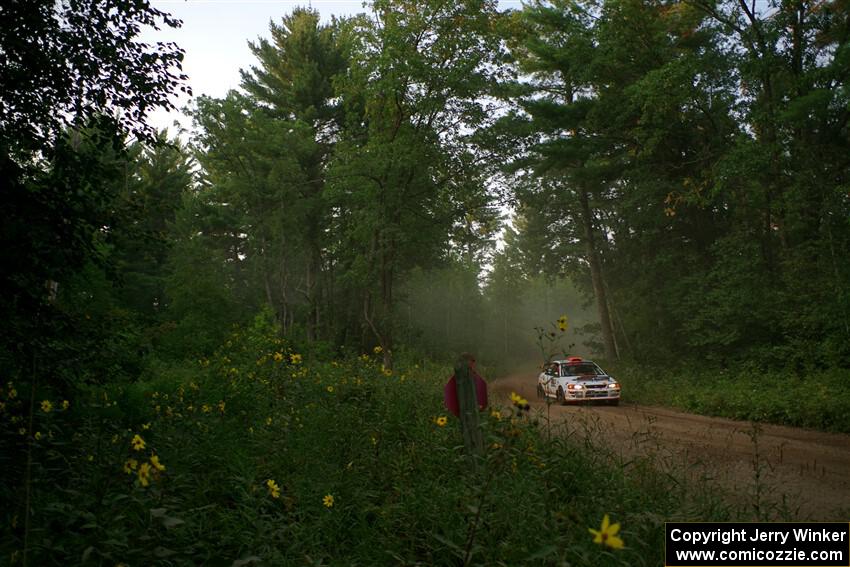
(816, 399)
(262, 455)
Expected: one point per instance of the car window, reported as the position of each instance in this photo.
(581, 369)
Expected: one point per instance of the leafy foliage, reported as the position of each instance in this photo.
(176, 468)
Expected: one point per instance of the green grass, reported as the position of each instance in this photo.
(818, 400)
(403, 491)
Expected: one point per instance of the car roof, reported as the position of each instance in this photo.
(573, 360)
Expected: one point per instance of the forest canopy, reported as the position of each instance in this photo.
(436, 177)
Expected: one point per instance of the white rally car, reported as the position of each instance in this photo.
(577, 380)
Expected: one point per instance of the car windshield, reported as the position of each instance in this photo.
(581, 369)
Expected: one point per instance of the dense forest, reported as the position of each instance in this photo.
(681, 167)
(423, 179)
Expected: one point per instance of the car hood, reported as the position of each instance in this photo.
(591, 381)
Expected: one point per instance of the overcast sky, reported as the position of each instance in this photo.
(215, 37)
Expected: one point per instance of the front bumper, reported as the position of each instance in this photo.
(592, 395)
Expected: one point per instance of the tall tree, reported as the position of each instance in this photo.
(294, 82)
(403, 174)
(610, 132)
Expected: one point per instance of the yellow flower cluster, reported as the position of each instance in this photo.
(146, 470)
(295, 358)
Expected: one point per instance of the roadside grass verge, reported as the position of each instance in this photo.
(818, 400)
(259, 456)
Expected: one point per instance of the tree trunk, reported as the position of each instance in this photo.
(596, 278)
(387, 263)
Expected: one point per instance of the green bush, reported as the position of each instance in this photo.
(818, 400)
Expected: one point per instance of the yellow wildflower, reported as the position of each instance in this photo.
(38, 435)
(378, 349)
(562, 323)
(206, 408)
(268, 421)
(496, 414)
(156, 464)
(328, 500)
(146, 426)
(274, 489)
(221, 406)
(65, 404)
(295, 358)
(46, 406)
(144, 474)
(518, 400)
(607, 534)
(441, 421)
(386, 371)
(138, 443)
(22, 431)
(330, 389)
(130, 465)
(13, 393)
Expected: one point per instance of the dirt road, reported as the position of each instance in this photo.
(751, 465)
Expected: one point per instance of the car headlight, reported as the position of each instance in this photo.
(574, 386)
(614, 386)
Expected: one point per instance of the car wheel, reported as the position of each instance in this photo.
(560, 396)
(540, 393)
